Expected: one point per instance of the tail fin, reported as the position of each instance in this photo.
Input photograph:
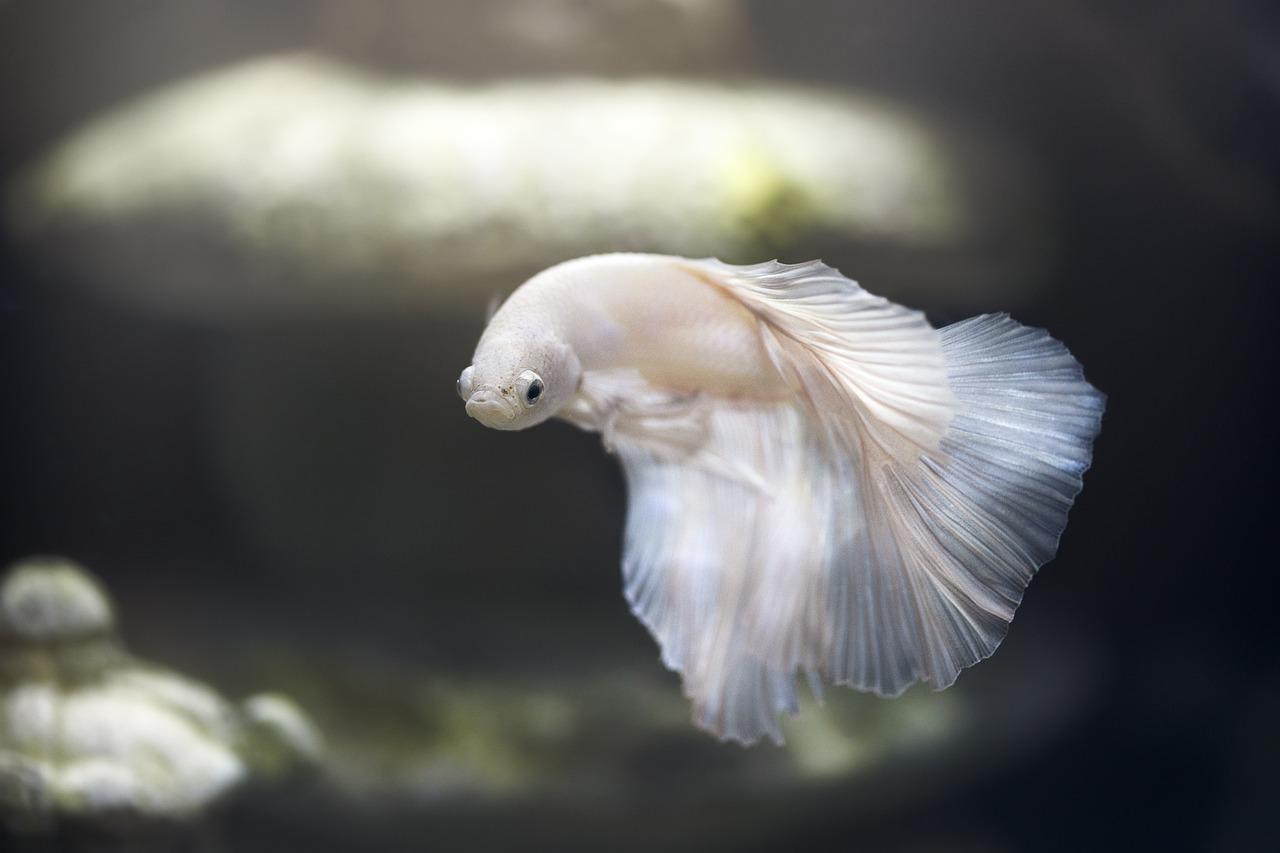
(1023, 436)
(954, 539)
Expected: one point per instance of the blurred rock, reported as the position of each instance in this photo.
(93, 736)
(297, 184)
(552, 717)
(578, 738)
(280, 735)
(45, 599)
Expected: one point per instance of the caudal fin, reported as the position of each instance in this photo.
(953, 540)
(1023, 437)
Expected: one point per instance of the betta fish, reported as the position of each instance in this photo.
(818, 480)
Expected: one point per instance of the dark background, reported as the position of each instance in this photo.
(1153, 126)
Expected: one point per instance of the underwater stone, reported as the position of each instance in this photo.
(48, 598)
(90, 734)
(285, 739)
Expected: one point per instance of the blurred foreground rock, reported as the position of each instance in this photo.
(91, 736)
(298, 184)
(469, 723)
(564, 720)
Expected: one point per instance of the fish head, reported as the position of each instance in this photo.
(512, 388)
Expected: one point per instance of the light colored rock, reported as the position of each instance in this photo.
(150, 756)
(294, 183)
(285, 733)
(91, 734)
(48, 597)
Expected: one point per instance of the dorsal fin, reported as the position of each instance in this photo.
(871, 372)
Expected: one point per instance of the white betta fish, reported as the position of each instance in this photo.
(819, 480)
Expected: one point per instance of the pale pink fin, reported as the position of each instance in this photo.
(714, 565)
(871, 372)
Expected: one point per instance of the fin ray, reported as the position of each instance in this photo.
(870, 370)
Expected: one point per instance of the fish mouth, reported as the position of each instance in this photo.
(489, 407)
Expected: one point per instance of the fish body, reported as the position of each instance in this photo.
(649, 313)
(819, 480)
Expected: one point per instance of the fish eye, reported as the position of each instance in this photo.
(464, 383)
(530, 386)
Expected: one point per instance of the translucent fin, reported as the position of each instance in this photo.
(715, 565)
(623, 406)
(875, 563)
(929, 585)
(871, 372)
